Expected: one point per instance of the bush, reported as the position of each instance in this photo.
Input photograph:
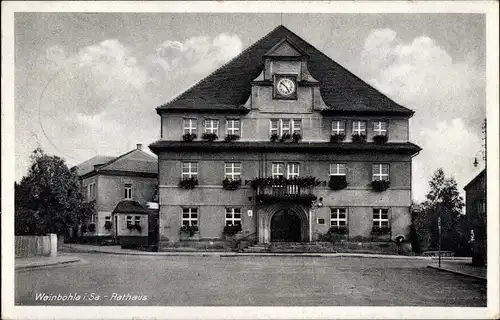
(190, 230)
(296, 137)
(83, 228)
(229, 184)
(285, 137)
(337, 137)
(381, 230)
(338, 229)
(92, 227)
(380, 185)
(358, 138)
(188, 183)
(380, 139)
(209, 136)
(189, 136)
(337, 182)
(231, 137)
(274, 137)
(232, 230)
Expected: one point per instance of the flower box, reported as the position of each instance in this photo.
(337, 182)
(230, 184)
(231, 137)
(209, 136)
(138, 227)
(358, 138)
(274, 137)
(380, 185)
(338, 229)
(381, 230)
(337, 137)
(296, 137)
(307, 181)
(188, 231)
(380, 139)
(188, 183)
(107, 225)
(189, 137)
(232, 230)
(91, 227)
(285, 137)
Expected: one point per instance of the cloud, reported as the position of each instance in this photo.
(447, 95)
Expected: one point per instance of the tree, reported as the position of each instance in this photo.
(49, 199)
(444, 201)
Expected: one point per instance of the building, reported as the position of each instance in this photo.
(475, 209)
(117, 184)
(285, 143)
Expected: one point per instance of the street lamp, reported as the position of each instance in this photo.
(314, 205)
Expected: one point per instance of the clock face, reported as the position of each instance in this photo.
(285, 87)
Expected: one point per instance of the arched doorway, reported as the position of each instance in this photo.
(285, 226)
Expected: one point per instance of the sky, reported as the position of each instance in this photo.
(87, 84)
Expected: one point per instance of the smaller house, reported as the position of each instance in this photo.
(132, 224)
(475, 209)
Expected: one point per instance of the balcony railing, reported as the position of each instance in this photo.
(278, 189)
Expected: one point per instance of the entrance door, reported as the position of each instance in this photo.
(116, 225)
(285, 227)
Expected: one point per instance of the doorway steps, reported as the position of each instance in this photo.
(291, 247)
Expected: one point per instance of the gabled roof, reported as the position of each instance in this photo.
(230, 85)
(89, 165)
(134, 161)
(130, 206)
(476, 178)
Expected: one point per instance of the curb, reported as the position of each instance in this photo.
(458, 272)
(49, 264)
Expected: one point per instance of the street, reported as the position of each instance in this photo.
(121, 280)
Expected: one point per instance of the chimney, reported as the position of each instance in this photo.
(139, 146)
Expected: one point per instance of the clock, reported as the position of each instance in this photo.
(285, 87)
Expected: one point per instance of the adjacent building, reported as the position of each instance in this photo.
(475, 209)
(117, 185)
(286, 144)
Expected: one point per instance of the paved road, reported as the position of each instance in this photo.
(249, 281)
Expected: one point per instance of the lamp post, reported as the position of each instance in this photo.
(314, 205)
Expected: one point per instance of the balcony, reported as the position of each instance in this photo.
(271, 190)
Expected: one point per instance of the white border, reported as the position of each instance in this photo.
(490, 8)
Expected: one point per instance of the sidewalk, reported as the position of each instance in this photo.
(40, 262)
(462, 267)
(83, 248)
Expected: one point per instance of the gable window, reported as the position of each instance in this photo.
(212, 126)
(338, 169)
(91, 191)
(277, 169)
(137, 220)
(359, 127)
(381, 218)
(190, 126)
(189, 170)
(233, 216)
(292, 170)
(233, 126)
(128, 191)
(338, 127)
(380, 128)
(232, 170)
(380, 171)
(338, 217)
(129, 221)
(189, 216)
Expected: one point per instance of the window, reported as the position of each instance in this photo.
(296, 126)
(338, 127)
(321, 221)
(107, 218)
(233, 126)
(380, 171)
(129, 221)
(90, 192)
(190, 126)
(380, 128)
(233, 216)
(338, 217)
(285, 126)
(277, 169)
(381, 218)
(189, 216)
(275, 127)
(212, 126)
(189, 170)
(338, 169)
(137, 220)
(232, 170)
(359, 127)
(128, 191)
(292, 170)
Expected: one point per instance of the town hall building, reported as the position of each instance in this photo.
(282, 144)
